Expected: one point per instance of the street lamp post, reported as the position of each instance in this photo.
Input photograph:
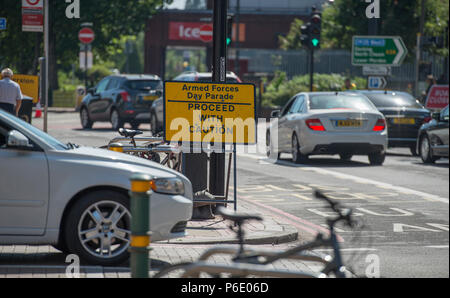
(46, 54)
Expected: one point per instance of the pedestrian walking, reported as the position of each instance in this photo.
(10, 93)
(431, 81)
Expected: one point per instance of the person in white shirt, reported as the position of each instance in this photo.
(10, 93)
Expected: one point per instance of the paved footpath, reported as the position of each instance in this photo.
(18, 261)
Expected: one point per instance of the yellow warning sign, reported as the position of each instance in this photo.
(209, 113)
(29, 86)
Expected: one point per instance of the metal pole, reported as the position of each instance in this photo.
(217, 164)
(46, 54)
(235, 177)
(419, 46)
(237, 45)
(86, 67)
(311, 70)
(140, 231)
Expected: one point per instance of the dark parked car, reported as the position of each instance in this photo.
(404, 116)
(432, 142)
(121, 99)
(157, 109)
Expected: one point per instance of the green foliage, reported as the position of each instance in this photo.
(96, 73)
(280, 89)
(346, 18)
(292, 40)
(111, 20)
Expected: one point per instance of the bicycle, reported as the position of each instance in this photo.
(250, 262)
(151, 149)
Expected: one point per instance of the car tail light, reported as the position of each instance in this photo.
(315, 124)
(427, 119)
(125, 96)
(380, 126)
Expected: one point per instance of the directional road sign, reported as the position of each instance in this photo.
(378, 50)
(374, 70)
(377, 83)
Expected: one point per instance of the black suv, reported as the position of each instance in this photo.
(157, 109)
(121, 99)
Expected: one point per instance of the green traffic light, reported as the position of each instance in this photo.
(315, 42)
(228, 41)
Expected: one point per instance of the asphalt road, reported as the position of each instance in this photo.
(404, 205)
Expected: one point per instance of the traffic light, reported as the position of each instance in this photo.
(305, 37)
(315, 30)
(230, 20)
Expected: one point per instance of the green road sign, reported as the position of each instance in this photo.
(378, 50)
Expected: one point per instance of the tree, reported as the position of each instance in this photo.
(111, 19)
(292, 40)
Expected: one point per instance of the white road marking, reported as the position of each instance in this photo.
(437, 246)
(347, 249)
(400, 189)
(379, 184)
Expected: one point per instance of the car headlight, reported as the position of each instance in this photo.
(172, 186)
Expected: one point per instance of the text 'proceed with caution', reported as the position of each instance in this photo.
(209, 113)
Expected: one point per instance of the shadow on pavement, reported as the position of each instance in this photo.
(324, 162)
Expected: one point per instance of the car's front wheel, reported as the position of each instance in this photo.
(98, 228)
(425, 150)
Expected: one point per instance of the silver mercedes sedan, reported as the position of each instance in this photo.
(324, 123)
(77, 198)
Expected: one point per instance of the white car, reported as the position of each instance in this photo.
(77, 198)
(324, 123)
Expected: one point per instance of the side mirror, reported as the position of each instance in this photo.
(275, 114)
(436, 116)
(91, 91)
(18, 140)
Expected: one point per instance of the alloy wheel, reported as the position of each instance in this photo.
(104, 229)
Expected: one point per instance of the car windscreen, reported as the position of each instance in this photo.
(393, 100)
(51, 141)
(324, 102)
(145, 85)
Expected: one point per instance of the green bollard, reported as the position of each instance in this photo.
(140, 233)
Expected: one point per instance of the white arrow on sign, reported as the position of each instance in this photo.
(377, 83)
(401, 51)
